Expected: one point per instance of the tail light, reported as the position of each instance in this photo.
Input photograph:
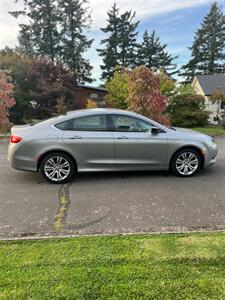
(14, 139)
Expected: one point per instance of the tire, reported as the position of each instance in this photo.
(58, 168)
(186, 163)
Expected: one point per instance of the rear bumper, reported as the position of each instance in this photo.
(23, 165)
(20, 161)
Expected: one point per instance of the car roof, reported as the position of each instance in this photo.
(93, 111)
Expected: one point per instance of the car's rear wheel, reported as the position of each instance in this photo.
(58, 167)
(186, 163)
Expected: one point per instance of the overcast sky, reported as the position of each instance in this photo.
(175, 21)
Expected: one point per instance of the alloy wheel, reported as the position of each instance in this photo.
(187, 163)
(57, 168)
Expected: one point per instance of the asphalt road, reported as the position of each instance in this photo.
(111, 203)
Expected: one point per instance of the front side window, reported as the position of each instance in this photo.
(87, 123)
(129, 124)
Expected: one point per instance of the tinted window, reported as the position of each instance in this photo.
(88, 123)
(63, 125)
(130, 124)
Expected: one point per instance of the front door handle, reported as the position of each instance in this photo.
(76, 137)
(122, 138)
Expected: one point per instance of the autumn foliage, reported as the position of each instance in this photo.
(6, 101)
(91, 104)
(144, 95)
(53, 88)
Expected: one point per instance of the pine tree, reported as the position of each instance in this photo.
(207, 51)
(120, 45)
(153, 54)
(128, 39)
(74, 20)
(40, 38)
(55, 31)
(110, 54)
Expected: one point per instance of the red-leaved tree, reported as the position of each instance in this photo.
(53, 88)
(6, 101)
(144, 95)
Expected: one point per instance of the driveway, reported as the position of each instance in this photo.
(111, 203)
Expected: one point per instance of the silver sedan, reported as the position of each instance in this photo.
(107, 140)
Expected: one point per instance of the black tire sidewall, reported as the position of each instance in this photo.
(174, 159)
(65, 156)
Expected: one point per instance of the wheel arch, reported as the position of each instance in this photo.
(42, 156)
(200, 152)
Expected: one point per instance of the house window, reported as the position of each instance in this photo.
(93, 96)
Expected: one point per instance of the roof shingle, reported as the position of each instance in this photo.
(211, 83)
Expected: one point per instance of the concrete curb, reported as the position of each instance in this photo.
(54, 237)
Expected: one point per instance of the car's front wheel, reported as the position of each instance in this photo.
(186, 163)
(58, 167)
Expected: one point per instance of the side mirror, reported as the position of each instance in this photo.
(156, 130)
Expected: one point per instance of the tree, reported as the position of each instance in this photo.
(17, 67)
(207, 51)
(187, 109)
(40, 37)
(128, 39)
(53, 88)
(218, 97)
(110, 54)
(153, 54)
(117, 88)
(167, 84)
(120, 45)
(55, 31)
(6, 100)
(74, 20)
(145, 96)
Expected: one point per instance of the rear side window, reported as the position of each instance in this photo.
(87, 123)
(63, 125)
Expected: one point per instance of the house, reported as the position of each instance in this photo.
(85, 92)
(206, 85)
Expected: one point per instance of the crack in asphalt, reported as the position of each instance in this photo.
(64, 203)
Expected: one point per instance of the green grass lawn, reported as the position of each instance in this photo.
(131, 267)
(211, 130)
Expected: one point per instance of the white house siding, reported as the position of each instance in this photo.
(210, 106)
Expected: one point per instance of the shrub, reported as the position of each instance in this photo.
(6, 101)
(91, 104)
(188, 110)
(117, 88)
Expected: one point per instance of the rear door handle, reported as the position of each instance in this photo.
(76, 137)
(122, 138)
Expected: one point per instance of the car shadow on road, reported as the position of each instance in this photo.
(36, 178)
(107, 176)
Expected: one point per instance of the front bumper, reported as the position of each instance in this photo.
(211, 157)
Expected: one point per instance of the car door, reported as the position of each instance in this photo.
(136, 146)
(90, 142)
